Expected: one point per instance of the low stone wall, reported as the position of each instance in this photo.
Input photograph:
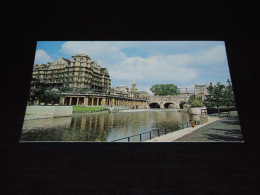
(47, 111)
(203, 119)
(196, 110)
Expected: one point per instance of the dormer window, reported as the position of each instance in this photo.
(74, 59)
(81, 59)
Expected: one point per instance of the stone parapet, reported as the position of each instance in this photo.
(195, 110)
(34, 112)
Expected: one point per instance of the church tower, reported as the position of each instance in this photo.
(133, 87)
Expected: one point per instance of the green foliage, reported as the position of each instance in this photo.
(36, 90)
(191, 99)
(83, 90)
(82, 109)
(49, 97)
(65, 89)
(220, 95)
(215, 97)
(196, 103)
(228, 95)
(165, 89)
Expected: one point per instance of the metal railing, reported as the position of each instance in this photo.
(153, 133)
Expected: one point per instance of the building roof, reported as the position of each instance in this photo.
(134, 87)
(104, 70)
(200, 85)
(81, 55)
(66, 60)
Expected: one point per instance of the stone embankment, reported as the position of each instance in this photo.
(38, 112)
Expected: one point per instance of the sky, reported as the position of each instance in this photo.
(182, 63)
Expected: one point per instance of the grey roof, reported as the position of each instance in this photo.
(80, 55)
(66, 60)
(200, 85)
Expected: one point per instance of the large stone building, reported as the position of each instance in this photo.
(201, 91)
(80, 74)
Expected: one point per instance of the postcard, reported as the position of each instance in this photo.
(131, 91)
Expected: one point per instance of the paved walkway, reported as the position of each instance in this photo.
(225, 129)
(170, 137)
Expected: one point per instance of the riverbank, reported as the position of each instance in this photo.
(87, 109)
(170, 137)
(41, 112)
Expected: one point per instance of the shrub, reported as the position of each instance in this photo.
(196, 103)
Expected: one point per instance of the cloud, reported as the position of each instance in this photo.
(180, 68)
(183, 63)
(167, 47)
(102, 52)
(155, 69)
(215, 56)
(42, 57)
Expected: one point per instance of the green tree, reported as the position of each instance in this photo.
(49, 97)
(191, 99)
(165, 89)
(36, 90)
(196, 103)
(215, 97)
(228, 95)
(65, 89)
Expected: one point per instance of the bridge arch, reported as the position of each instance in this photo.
(154, 105)
(170, 105)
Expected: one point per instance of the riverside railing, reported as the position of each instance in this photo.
(153, 133)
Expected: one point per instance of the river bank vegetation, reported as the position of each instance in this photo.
(83, 109)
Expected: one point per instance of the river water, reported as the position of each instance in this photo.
(102, 126)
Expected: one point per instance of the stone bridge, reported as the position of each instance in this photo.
(168, 101)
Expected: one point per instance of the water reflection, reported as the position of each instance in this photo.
(99, 126)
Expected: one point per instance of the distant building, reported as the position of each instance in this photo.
(122, 91)
(133, 87)
(201, 91)
(133, 92)
(79, 74)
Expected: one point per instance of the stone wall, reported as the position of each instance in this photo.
(33, 112)
(195, 110)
